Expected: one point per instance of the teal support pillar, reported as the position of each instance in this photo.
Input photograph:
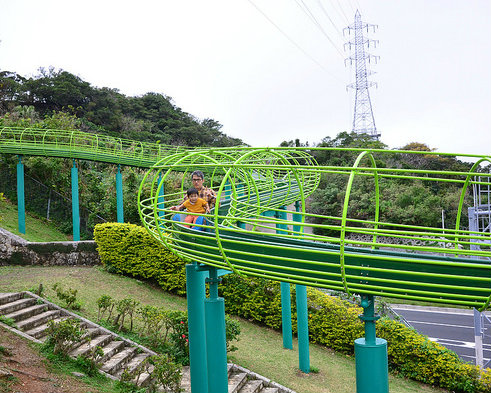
(286, 306)
(297, 218)
(228, 190)
(195, 289)
(75, 204)
(160, 200)
(21, 206)
(302, 328)
(216, 344)
(372, 371)
(119, 196)
(286, 316)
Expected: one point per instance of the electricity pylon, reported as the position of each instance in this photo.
(363, 120)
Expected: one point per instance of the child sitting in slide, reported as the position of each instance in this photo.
(194, 204)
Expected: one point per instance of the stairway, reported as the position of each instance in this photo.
(32, 313)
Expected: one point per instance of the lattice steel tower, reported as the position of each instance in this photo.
(363, 120)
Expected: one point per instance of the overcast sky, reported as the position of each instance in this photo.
(272, 70)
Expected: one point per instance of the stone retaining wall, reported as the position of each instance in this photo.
(16, 251)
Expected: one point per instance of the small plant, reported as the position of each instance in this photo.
(69, 296)
(39, 290)
(63, 335)
(88, 362)
(7, 321)
(314, 370)
(125, 307)
(105, 304)
(165, 374)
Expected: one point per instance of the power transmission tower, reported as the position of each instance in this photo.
(363, 120)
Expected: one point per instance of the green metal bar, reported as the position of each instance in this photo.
(75, 204)
(119, 195)
(21, 207)
(195, 293)
(161, 198)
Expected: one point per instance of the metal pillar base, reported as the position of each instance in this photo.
(372, 370)
(216, 346)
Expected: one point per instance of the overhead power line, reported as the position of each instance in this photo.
(309, 13)
(292, 41)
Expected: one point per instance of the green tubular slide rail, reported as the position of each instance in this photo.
(249, 234)
(386, 259)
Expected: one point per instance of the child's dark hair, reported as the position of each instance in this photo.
(192, 191)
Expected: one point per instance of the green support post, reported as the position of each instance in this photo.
(372, 371)
(21, 206)
(119, 195)
(75, 204)
(216, 344)
(196, 294)
(286, 306)
(160, 200)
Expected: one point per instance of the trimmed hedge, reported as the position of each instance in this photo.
(129, 249)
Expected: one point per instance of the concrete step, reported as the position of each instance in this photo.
(118, 361)
(85, 348)
(27, 312)
(236, 381)
(40, 331)
(252, 386)
(132, 364)
(270, 390)
(37, 320)
(10, 297)
(15, 305)
(110, 350)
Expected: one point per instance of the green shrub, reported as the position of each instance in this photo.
(333, 322)
(63, 334)
(129, 249)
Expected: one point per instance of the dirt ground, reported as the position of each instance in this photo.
(23, 369)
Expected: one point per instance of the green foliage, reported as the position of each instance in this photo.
(63, 334)
(165, 375)
(88, 363)
(125, 307)
(129, 249)
(69, 296)
(7, 321)
(105, 304)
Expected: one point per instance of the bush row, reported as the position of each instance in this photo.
(333, 322)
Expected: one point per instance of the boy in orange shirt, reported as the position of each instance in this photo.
(194, 204)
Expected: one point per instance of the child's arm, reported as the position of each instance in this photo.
(177, 207)
(207, 207)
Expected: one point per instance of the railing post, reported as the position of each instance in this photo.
(478, 338)
(216, 344)
(195, 289)
(119, 196)
(372, 373)
(21, 207)
(75, 204)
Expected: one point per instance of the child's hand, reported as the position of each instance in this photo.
(173, 208)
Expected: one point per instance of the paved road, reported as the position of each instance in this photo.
(453, 328)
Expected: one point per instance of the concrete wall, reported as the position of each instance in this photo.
(16, 251)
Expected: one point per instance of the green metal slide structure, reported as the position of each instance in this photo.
(357, 256)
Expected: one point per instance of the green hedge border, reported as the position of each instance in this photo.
(129, 249)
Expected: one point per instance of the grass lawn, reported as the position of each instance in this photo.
(37, 230)
(259, 349)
